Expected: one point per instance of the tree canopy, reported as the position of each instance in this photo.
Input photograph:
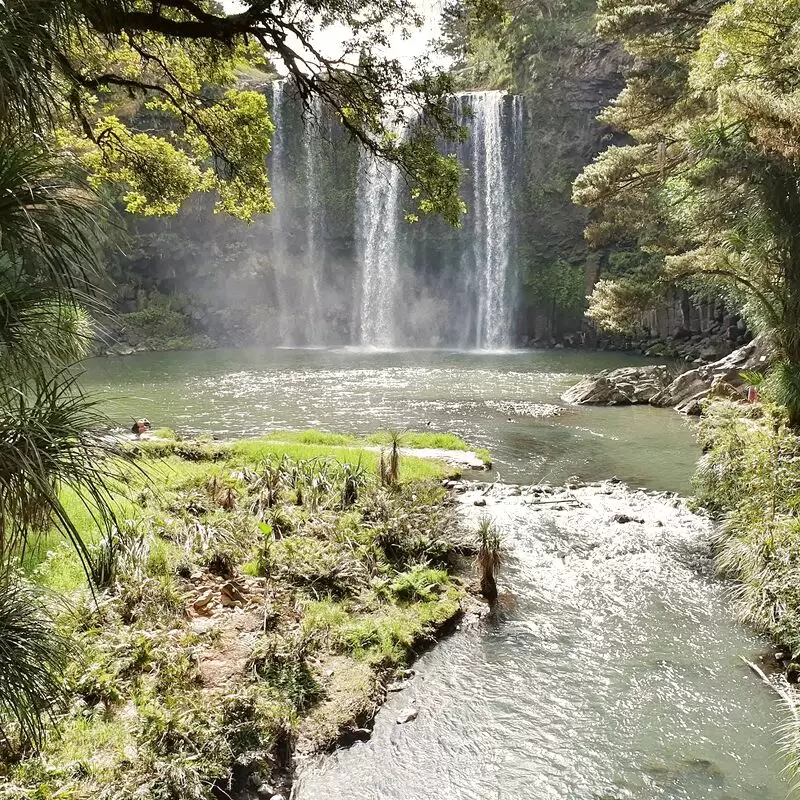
(711, 180)
(84, 70)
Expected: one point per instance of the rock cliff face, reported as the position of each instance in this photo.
(655, 386)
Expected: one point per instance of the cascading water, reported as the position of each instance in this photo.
(314, 255)
(379, 219)
(279, 181)
(492, 221)
(477, 300)
(347, 268)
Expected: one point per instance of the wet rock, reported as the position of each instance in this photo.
(398, 686)
(623, 519)
(686, 392)
(481, 501)
(407, 715)
(265, 791)
(626, 386)
(141, 426)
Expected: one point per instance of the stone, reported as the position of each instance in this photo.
(625, 386)
(481, 501)
(265, 791)
(230, 594)
(141, 426)
(407, 715)
(202, 601)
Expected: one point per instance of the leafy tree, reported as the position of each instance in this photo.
(86, 67)
(712, 179)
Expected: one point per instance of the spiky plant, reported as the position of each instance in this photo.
(46, 445)
(489, 558)
(383, 470)
(354, 478)
(51, 226)
(389, 466)
(32, 659)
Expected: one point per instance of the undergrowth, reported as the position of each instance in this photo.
(171, 698)
(749, 477)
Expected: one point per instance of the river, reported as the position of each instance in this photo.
(615, 674)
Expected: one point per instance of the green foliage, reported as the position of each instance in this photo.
(618, 305)
(45, 446)
(711, 180)
(750, 474)
(488, 558)
(283, 664)
(153, 323)
(32, 659)
(353, 572)
(419, 583)
(101, 77)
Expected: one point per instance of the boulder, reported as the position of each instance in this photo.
(407, 715)
(626, 386)
(685, 393)
(721, 378)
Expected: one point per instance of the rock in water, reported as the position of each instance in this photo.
(407, 715)
(652, 384)
(141, 426)
(626, 386)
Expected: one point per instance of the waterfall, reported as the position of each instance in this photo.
(491, 213)
(315, 207)
(279, 179)
(349, 269)
(379, 219)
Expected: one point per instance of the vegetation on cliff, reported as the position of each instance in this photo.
(710, 183)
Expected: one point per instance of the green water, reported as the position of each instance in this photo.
(477, 395)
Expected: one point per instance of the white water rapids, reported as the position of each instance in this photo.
(613, 675)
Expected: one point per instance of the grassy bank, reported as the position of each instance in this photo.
(254, 601)
(750, 478)
(380, 439)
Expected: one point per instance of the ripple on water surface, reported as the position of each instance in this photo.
(614, 675)
(506, 402)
